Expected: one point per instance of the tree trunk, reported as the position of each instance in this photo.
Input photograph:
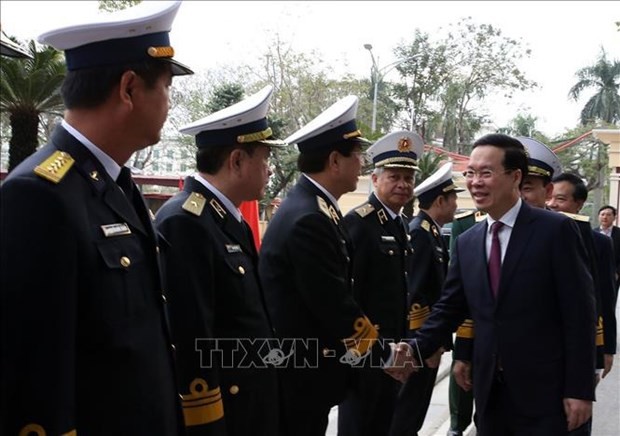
(24, 135)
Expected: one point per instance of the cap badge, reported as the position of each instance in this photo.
(404, 144)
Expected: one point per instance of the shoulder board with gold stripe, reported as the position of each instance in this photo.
(195, 203)
(480, 216)
(463, 214)
(426, 225)
(576, 217)
(364, 210)
(55, 167)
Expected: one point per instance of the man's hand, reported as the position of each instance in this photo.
(462, 374)
(609, 362)
(403, 362)
(435, 359)
(577, 412)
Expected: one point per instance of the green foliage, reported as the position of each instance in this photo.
(28, 88)
(604, 78)
(449, 77)
(116, 5)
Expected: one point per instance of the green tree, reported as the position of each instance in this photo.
(424, 70)
(524, 124)
(29, 88)
(604, 78)
(587, 158)
(484, 61)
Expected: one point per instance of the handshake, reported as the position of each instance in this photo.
(404, 362)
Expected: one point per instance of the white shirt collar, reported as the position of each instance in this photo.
(225, 201)
(389, 211)
(111, 167)
(324, 191)
(509, 218)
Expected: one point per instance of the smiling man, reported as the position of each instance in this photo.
(380, 265)
(522, 276)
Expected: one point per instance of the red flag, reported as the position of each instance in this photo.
(249, 210)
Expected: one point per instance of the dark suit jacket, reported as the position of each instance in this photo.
(214, 292)
(615, 238)
(541, 327)
(305, 268)
(85, 344)
(608, 291)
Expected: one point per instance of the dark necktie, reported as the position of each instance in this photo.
(125, 182)
(402, 226)
(248, 233)
(495, 258)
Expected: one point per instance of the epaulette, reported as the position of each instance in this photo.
(426, 225)
(364, 210)
(463, 214)
(323, 206)
(195, 203)
(576, 217)
(55, 167)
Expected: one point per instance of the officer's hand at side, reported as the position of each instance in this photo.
(462, 374)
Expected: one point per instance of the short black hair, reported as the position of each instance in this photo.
(90, 87)
(614, 212)
(580, 191)
(515, 157)
(209, 160)
(428, 203)
(312, 162)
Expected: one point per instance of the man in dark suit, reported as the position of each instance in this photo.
(85, 344)
(437, 201)
(532, 304)
(305, 268)
(536, 189)
(380, 267)
(606, 219)
(217, 309)
(569, 195)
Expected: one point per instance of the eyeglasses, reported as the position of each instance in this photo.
(483, 174)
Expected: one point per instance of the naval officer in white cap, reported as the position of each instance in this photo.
(380, 268)
(305, 268)
(543, 166)
(437, 200)
(211, 271)
(85, 345)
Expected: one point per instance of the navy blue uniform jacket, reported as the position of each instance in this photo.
(85, 343)
(305, 267)
(214, 293)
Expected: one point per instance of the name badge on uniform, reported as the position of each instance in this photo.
(117, 229)
(388, 238)
(233, 248)
(439, 249)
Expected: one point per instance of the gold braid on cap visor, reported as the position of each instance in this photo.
(538, 171)
(253, 137)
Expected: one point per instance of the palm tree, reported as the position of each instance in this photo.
(604, 77)
(29, 88)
